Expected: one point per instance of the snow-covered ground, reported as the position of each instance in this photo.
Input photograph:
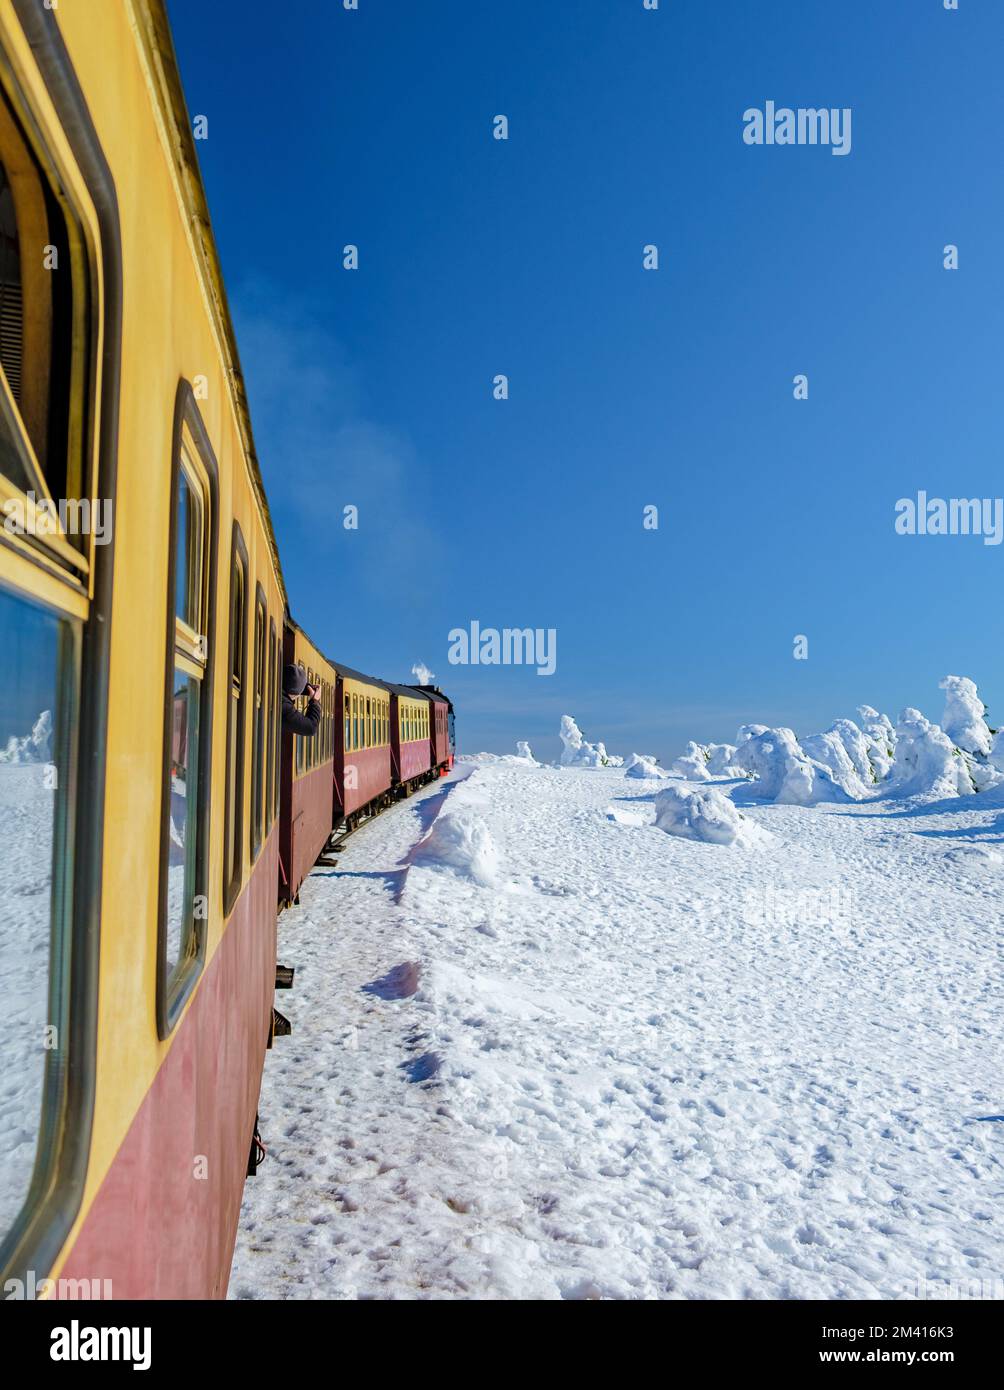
(557, 1052)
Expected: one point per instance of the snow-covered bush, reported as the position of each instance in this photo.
(856, 747)
(33, 747)
(880, 737)
(692, 764)
(643, 765)
(963, 720)
(844, 751)
(926, 761)
(749, 731)
(702, 815)
(720, 760)
(996, 757)
(784, 772)
(578, 753)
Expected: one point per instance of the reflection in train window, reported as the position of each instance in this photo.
(233, 842)
(180, 911)
(36, 689)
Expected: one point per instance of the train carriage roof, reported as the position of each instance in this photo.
(350, 674)
(409, 692)
(433, 692)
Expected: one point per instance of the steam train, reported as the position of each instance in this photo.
(148, 847)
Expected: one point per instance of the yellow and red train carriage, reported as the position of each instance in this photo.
(308, 790)
(151, 811)
(362, 756)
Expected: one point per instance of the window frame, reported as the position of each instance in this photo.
(191, 452)
(270, 727)
(258, 717)
(233, 822)
(277, 733)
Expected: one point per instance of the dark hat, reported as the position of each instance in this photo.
(294, 680)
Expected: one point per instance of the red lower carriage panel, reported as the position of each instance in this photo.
(414, 759)
(164, 1221)
(368, 769)
(310, 821)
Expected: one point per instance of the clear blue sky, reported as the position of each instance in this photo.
(478, 256)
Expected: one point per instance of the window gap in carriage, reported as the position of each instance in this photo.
(36, 326)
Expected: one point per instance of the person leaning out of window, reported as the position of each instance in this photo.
(294, 684)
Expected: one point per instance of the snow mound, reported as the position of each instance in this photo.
(784, 772)
(577, 752)
(644, 765)
(460, 840)
(705, 815)
(33, 747)
(518, 758)
(963, 720)
(692, 764)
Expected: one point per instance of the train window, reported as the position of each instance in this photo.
(258, 726)
(37, 682)
(369, 726)
(305, 743)
(310, 744)
(321, 730)
(185, 814)
(270, 756)
(347, 737)
(234, 825)
(43, 339)
(277, 741)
